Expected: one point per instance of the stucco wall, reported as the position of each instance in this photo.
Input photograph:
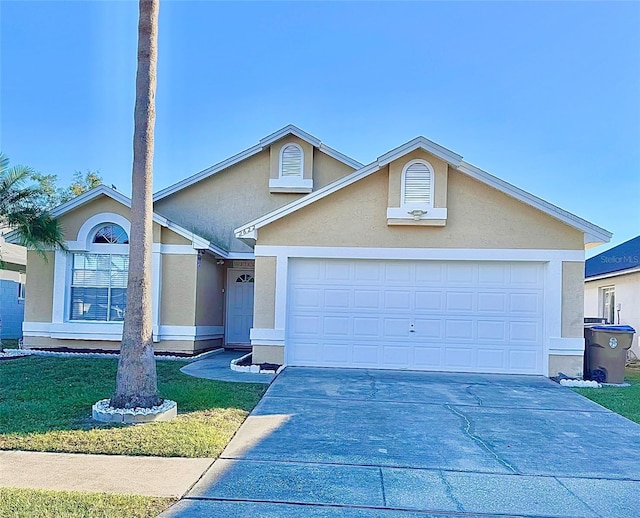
(265, 293)
(209, 293)
(39, 301)
(572, 366)
(478, 217)
(72, 221)
(178, 297)
(572, 299)
(267, 354)
(627, 289)
(216, 206)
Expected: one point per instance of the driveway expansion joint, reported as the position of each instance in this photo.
(576, 496)
(449, 491)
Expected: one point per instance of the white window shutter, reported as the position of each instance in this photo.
(418, 184)
(291, 161)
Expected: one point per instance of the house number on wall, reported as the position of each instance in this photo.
(243, 264)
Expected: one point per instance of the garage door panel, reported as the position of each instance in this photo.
(492, 359)
(459, 329)
(462, 301)
(492, 302)
(429, 301)
(396, 328)
(337, 299)
(429, 273)
(397, 300)
(336, 326)
(366, 355)
(460, 273)
(491, 330)
(427, 357)
(429, 315)
(367, 299)
(395, 272)
(367, 327)
(459, 357)
(429, 328)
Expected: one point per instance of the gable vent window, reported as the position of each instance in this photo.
(291, 159)
(417, 184)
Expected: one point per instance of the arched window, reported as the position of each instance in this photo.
(111, 234)
(291, 160)
(99, 276)
(417, 184)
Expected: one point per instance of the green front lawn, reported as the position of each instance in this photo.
(622, 400)
(29, 503)
(45, 405)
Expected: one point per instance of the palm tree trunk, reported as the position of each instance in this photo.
(136, 382)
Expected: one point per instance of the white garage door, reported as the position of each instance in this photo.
(421, 315)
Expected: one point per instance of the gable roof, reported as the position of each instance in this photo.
(264, 143)
(593, 233)
(102, 190)
(619, 259)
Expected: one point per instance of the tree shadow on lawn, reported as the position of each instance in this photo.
(39, 395)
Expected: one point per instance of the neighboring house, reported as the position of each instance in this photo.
(12, 289)
(612, 286)
(417, 260)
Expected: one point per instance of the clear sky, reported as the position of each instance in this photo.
(545, 95)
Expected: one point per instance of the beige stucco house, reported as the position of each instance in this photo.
(417, 260)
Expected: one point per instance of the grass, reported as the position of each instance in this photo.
(28, 503)
(622, 400)
(9, 343)
(45, 405)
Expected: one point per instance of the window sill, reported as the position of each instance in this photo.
(295, 185)
(430, 216)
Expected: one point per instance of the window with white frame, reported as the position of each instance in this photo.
(22, 290)
(291, 161)
(417, 184)
(99, 280)
(608, 303)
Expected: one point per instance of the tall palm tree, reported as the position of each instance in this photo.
(20, 212)
(136, 381)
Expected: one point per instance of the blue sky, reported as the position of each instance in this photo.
(545, 95)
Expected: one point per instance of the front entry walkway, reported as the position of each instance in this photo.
(357, 443)
(216, 367)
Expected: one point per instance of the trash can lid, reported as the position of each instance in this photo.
(615, 329)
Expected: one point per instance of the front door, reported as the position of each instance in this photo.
(239, 306)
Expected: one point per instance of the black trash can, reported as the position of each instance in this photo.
(605, 352)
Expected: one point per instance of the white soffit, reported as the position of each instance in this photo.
(263, 144)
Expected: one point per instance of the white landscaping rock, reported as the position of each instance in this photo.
(101, 411)
(580, 383)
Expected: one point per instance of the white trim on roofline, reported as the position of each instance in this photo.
(197, 241)
(608, 275)
(264, 143)
(429, 146)
(593, 233)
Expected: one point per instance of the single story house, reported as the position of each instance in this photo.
(13, 267)
(418, 260)
(612, 287)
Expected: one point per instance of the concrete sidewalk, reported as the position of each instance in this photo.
(150, 476)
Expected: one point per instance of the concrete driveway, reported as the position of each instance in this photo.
(358, 443)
